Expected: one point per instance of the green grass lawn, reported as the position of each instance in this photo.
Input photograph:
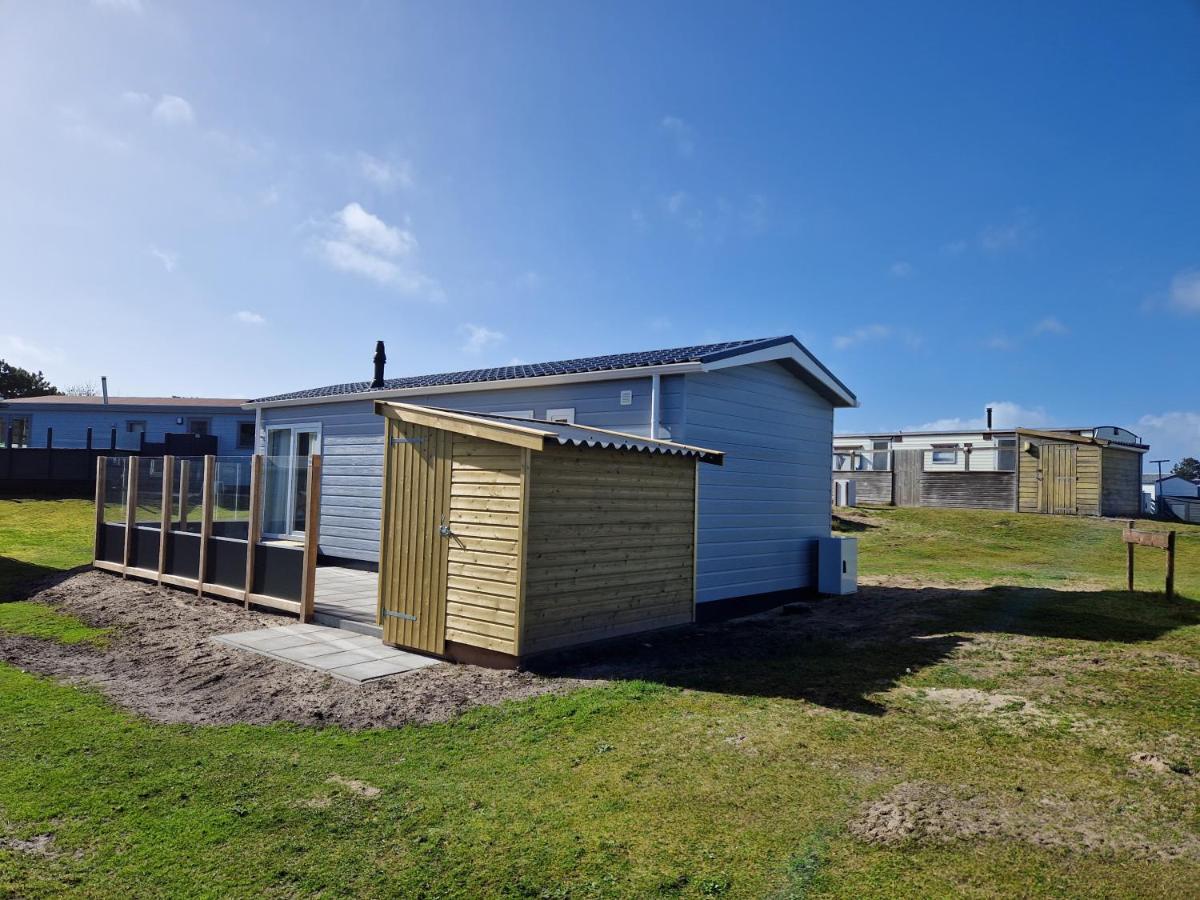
(41, 537)
(747, 786)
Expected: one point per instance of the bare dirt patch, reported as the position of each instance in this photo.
(354, 786)
(161, 663)
(940, 814)
(38, 845)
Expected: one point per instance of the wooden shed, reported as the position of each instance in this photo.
(503, 538)
(1085, 475)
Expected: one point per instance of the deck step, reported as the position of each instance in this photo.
(333, 620)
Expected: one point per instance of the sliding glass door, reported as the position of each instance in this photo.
(285, 473)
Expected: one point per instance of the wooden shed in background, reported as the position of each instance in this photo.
(503, 538)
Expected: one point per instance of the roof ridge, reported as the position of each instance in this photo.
(572, 366)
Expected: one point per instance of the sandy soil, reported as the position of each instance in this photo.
(934, 813)
(161, 663)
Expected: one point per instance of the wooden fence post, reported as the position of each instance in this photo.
(254, 525)
(1170, 565)
(312, 533)
(89, 438)
(101, 468)
(112, 440)
(131, 492)
(165, 519)
(49, 454)
(206, 519)
(1129, 562)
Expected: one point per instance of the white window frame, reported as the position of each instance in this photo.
(952, 461)
(566, 414)
(314, 427)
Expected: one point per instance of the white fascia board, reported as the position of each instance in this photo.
(502, 384)
(805, 360)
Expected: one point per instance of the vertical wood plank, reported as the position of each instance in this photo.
(254, 525)
(164, 521)
(101, 471)
(1129, 561)
(131, 477)
(1170, 565)
(522, 545)
(206, 517)
(695, 532)
(312, 531)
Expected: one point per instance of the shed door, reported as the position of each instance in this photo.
(1058, 479)
(413, 550)
(908, 467)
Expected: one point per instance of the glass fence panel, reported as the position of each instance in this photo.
(149, 491)
(187, 494)
(116, 483)
(231, 492)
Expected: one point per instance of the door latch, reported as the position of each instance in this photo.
(444, 530)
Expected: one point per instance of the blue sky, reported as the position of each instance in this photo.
(950, 204)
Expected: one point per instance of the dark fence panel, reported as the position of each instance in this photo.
(143, 552)
(279, 571)
(183, 554)
(110, 540)
(226, 563)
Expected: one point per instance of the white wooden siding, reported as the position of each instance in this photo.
(762, 512)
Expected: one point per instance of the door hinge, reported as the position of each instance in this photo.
(399, 615)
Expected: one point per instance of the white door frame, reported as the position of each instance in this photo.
(310, 427)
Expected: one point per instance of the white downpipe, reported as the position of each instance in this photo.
(654, 405)
(260, 449)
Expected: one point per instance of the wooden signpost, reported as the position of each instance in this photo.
(1163, 540)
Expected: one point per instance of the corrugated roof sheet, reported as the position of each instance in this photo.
(697, 353)
(582, 436)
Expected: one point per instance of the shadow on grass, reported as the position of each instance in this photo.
(847, 649)
(20, 579)
(843, 524)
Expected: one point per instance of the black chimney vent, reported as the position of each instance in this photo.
(380, 360)
(989, 418)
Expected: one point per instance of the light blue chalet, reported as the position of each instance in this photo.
(767, 403)
(124, 420)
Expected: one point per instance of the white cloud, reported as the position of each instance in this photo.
(359, 242)
(1009, 235)
(901, 269)
(129, 6)
(877, 332)
(1050, 325)
(136, 98)
(383, 173)
(681, 133)
(246, 317)
(954, 248)
(1185, 292)
(679, 206)
(1171, 435)
(1000, 342)
(19, 350)
(172, 110)
(478, 337)
(1005, 414)
(168, 259)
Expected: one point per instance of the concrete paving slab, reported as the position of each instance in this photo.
(342, 654)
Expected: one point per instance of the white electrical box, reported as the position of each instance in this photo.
(845, 492)
(837, 565)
